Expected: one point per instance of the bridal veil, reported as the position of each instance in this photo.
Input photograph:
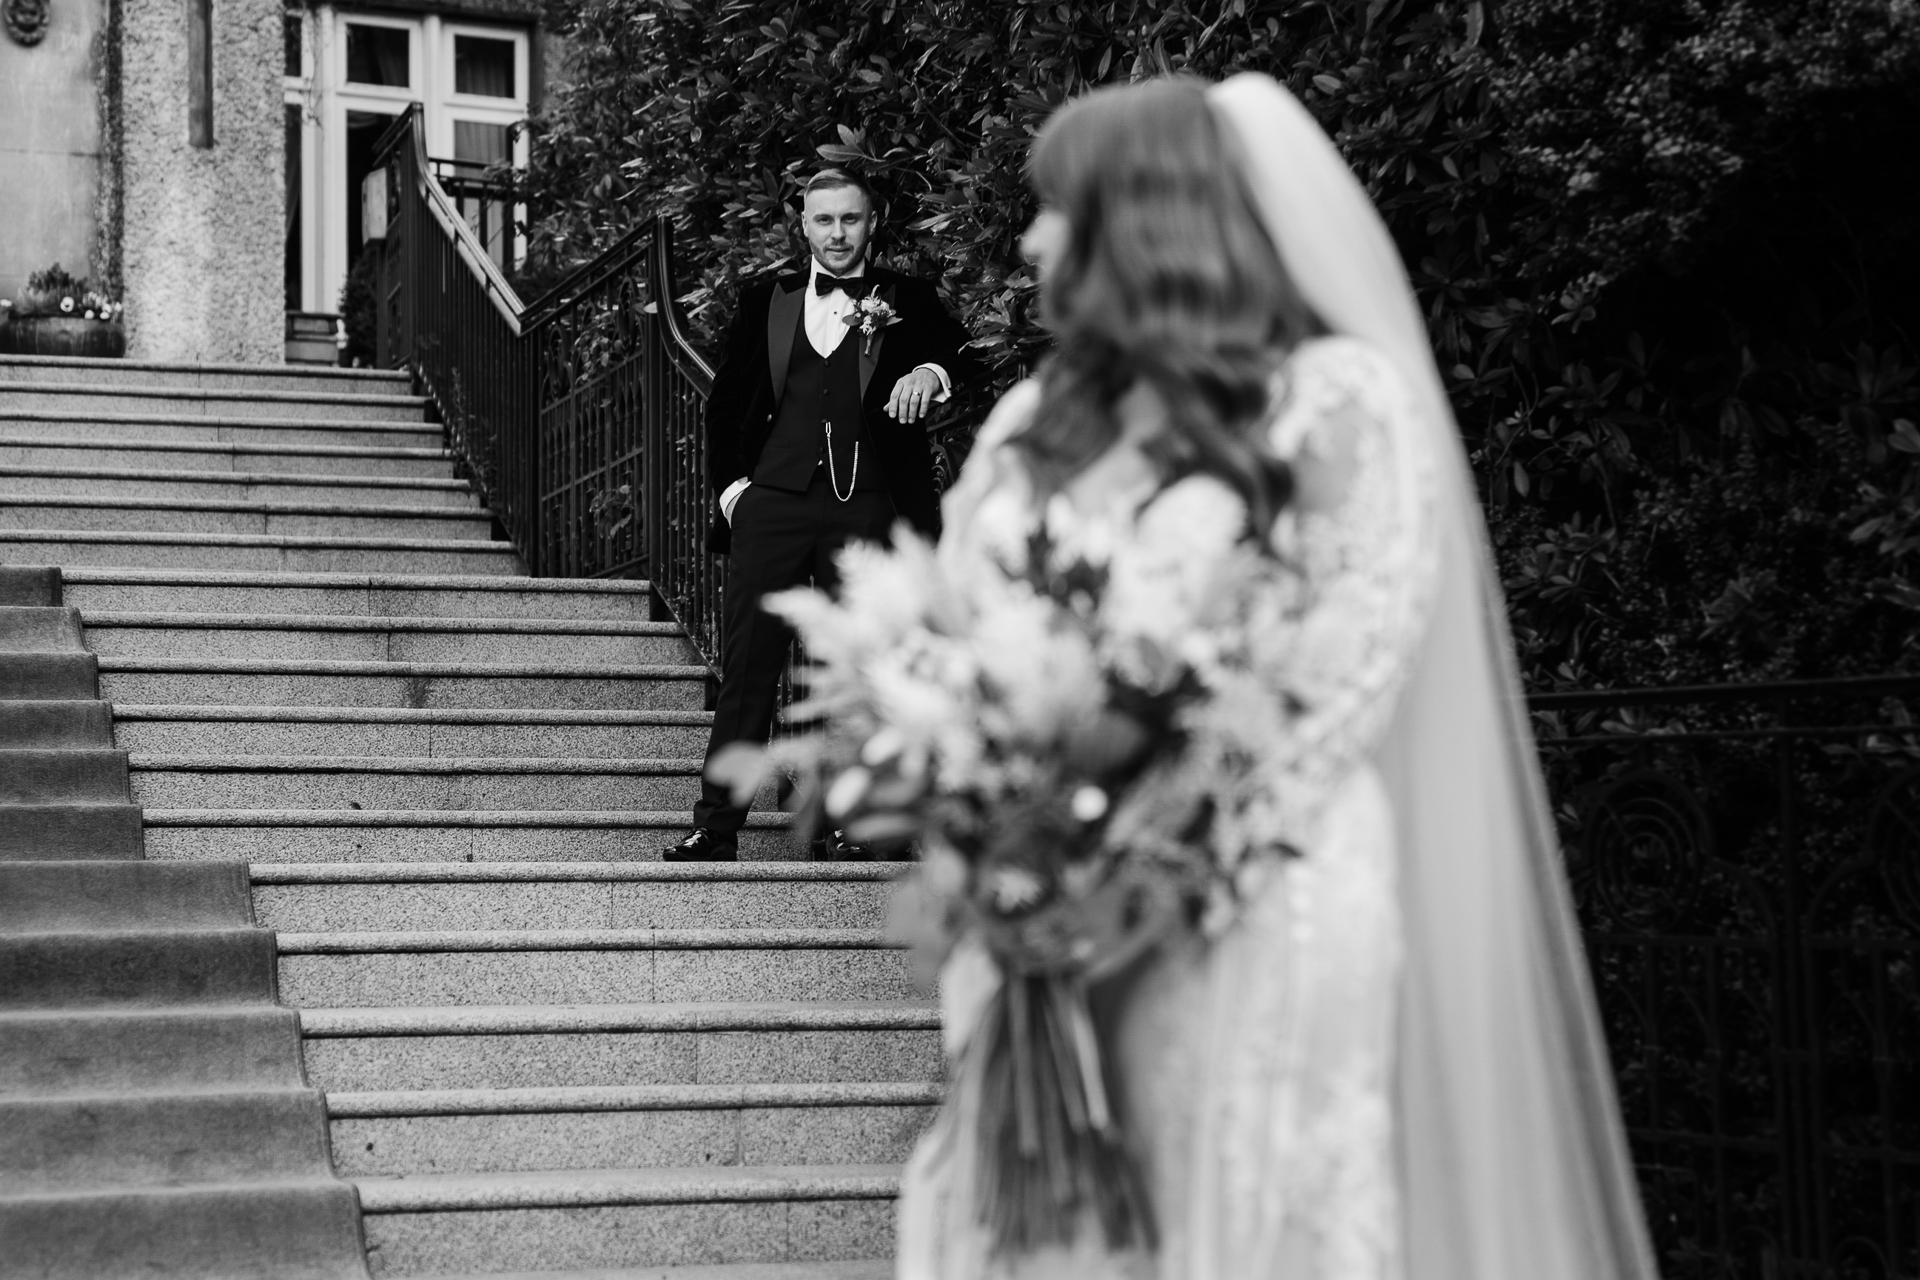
(1513, 1161)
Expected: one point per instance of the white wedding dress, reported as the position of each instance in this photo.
(1255, 1069)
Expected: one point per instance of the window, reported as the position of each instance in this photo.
(379, 55)
(484, 67)
(292, 23)
(482, 144)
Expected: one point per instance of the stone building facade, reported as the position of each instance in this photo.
(204, 159)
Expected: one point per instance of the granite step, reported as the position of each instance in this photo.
(394, 731)
(227, 459)
(526, 1046)
(66, 832)
(840, 1269)
(107, 483)
(69, 370)
(293, 1229)
(43, 677)
(309, 898)
(40, 629)
(477, 1130)
(428, 1224)
(118, 633)
(215, 1134)
(68, 1052)
(296, 836)
(46, 724)
(99, 968)
(370, 594)
(537, 966)
(376, 782)
(238, 402)
(402, 684)
(45, 896)
(62, 776)
(256, 551)
(211, 515)
(68, 425)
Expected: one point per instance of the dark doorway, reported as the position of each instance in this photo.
(363, 130)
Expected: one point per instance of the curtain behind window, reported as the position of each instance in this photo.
(379, 55)
(483, 67)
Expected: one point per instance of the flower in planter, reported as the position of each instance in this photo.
(66, 306)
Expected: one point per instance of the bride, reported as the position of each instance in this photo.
(1389, 1064)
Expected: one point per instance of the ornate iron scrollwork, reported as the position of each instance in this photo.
(1893, 842)
(1647, 843)
(26, 20)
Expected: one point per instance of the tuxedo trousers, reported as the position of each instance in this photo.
(781, 539)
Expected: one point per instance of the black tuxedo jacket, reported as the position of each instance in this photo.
(753, 373)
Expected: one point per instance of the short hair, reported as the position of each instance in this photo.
(834, 179)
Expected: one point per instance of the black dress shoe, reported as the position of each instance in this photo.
(835, 847)
(701, 846)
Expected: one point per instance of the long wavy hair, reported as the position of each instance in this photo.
(1168, 278)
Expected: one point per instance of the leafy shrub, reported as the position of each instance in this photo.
(359, 309)
(1662, 249)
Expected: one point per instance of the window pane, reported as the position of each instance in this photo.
(483, 66)
(290, 22)
(482, 143)
(378, 55)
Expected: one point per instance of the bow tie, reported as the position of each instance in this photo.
(824, 284)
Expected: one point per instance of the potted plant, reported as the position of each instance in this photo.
(58, 315)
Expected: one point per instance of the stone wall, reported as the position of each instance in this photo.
(204, 229)
(50, 147)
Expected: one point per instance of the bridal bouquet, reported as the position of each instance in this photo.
(1080, 732)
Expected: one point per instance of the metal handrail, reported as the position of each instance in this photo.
(679, 346)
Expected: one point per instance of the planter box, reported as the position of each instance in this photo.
(63, 336)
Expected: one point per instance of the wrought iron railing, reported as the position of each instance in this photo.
(1746, 864)
(577, 416)
(446, 312)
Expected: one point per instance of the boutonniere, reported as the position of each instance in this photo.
(872, 314)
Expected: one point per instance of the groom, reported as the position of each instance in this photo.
(815, 438)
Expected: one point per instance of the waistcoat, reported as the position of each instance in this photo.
(818, 391)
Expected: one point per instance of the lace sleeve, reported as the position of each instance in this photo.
(991, 491)
(1364, 540)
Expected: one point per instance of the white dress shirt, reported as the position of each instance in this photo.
(825, 320)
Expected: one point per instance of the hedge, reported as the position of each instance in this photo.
(1664, 248)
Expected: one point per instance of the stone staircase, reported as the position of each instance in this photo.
(541, 1050)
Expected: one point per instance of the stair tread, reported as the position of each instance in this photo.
(403, 715)
(367, 509)
(326, 479)
(471, 546)
(80, 364)
(162, 391)
(668, 765)
(540, 872)
(439, 818)
(376, 622)
(392, 1103)
(849, 1269)
(179, 1190)
(114, 417)
(359, 667)
(388, 942)
(135, 444)
(414, 1193)
(96, 575)
(519, 1019)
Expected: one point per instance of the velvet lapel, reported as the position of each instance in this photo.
(783, 319)
(870, 351)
